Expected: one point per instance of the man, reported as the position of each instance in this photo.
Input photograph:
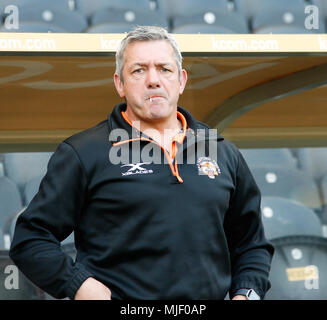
(174, 229)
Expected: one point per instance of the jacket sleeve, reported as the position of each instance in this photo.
(250, 252)
(49, 219)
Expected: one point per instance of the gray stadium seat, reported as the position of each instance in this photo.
(172, 8)
(322, 6)
(324, 199)
(314, 161)
(298, 269)
(22, 167)
(287, 183)
(2, 241)
(31, 188)
(67, 20)
(131, 17)
(251, 8)
(88, 8)
(290, 20)
(202, 29)
(110, 28)
(229, 21)
(22, 4)
(283, 217)
(274, 156)
(34, 27)
(283, 30)
(10, 199)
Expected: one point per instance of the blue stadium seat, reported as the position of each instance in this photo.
(251, 8)
(88, 8)
(197, 23)
(110, 28)
(298, 269)
(67, 20)
(324, 199)
(22, 167)
(31, 188)
(288, 183)
(283, 217)
(322, 6)
(34, 27)
(10, 199)
(40, 4)
(283, 30)
(314, 161)
(2, 241)
(276, 21)
(131, 17)
(172, 8)
(269, 156)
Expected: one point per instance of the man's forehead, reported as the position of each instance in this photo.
(136, 51)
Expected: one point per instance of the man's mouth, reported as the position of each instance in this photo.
(155, 98)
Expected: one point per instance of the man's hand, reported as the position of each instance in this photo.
(92, 289)
(239, 297)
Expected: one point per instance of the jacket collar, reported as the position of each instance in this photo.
(116, 121)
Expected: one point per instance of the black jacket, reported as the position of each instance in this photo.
(138, 229)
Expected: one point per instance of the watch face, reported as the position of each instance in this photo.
(252, 295)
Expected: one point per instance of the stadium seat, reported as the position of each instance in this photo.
(287, 183)
(273, 156)
(2, 241)
(275, 20)
(131, 17)
(10, 199)
(298, 269)
(251, 8)
(283, 30)
(40, 4)
(322, 6)
(88, 8)
(110, 28)
(31, 188)
(34, 27)
(13, 284)
(232, 22)
(68, 20)
(172, 8)
(22, 167)
(324, 200)
(314, 161)
(283, 217)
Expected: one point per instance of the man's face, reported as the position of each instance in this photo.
(152, 84)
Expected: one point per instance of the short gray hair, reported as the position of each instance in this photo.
(146, 33)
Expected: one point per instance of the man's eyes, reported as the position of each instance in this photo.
(141, 70)
(138, 70)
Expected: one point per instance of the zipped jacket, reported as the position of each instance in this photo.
(148, 223)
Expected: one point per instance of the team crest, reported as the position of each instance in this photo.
(209, 167)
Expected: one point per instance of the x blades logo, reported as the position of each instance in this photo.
(136, 169)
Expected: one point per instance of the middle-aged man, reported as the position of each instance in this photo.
(174, 228)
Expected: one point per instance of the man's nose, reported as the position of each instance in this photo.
(153, 78)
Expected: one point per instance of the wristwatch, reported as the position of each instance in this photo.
(250, 294)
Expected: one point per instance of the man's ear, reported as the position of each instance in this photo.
(119, 85)
(182, 81)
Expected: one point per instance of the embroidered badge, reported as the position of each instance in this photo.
(209, 167)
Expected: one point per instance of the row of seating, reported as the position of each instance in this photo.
(293, 228)
(207, 16)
